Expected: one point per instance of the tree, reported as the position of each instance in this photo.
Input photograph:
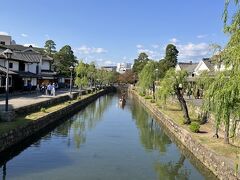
(140, 62)
(147, 76)
(128, 77)
(171, 56)
(50, 47)
(81, 79)
(222, 97)
(174, 82)
(64, 59)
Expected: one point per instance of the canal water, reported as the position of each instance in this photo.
(104, 142)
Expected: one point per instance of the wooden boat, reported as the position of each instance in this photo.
(122, 102)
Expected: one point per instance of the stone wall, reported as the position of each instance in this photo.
(222, 168)
(36, 107)
(18, 135)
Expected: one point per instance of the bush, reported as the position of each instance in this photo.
(43, 110)
(194, 127)
(141, 94)
(152, 101)
(148, 97)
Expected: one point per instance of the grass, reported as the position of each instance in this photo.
(173, 111)
(21, 121)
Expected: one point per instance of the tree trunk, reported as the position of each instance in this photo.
(204, 117)
(153, 90)
(216, 132)
(226, 134)
(183, 105)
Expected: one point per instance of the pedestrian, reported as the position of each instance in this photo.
(49, 89)
(53, 89)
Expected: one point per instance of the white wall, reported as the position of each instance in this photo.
(15, 65)
(33, 81)
(6, 39)
(32, 68)
(2, 62)
(200, 68)
(45, 65)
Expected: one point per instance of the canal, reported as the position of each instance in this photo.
(104, 141)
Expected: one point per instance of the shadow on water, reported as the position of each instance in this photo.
(62, 128)
(155, 136)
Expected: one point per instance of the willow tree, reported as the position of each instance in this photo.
(223, 95)
(81, 79)
(174, 82)
(147, 77)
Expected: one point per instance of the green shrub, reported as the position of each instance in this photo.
(194, 127)
(148, 97)
(43, 110)
(152, 101)
(141, 94)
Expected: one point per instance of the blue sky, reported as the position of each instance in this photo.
(111, 31)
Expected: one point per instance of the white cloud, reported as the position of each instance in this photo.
(155, 46)
(31, 44)
(139, 46)
(24, 35)
(90, 50)
(3, 33)
(201, 36)
(151, 53)
(193, 51)
(174, 40)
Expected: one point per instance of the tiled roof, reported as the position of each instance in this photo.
(189, 67)
(27, 74)
(47, 58)
(209, 64)
(4, 70)
(18, 47)
(30, 57)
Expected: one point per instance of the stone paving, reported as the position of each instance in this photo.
(28, 99)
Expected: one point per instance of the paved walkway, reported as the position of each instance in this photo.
(195, 102)
(28, 99)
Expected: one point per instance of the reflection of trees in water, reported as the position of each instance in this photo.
(151, 134)
(83, 121)
(153, 137)
(171, 170)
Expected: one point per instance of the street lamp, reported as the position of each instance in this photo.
(71, 70)
(8, 54)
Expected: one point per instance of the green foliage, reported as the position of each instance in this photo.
(43, 110)
(81, 79)
(172, 80)
(152, 101)
(140, 62)
(64, 59)
(50, 47)
(148, 97)
(142, 94)
(147, 76)
(171, 56)
(194, 127)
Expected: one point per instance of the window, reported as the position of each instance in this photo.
(3, 81)
(2, 42)
(10, 65)
(21, 66)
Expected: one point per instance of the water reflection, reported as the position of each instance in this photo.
(172, 170)
(151, 134)
(103, 142)
(77, 126)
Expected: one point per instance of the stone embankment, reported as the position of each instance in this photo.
(214, 162)
(16, 136)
